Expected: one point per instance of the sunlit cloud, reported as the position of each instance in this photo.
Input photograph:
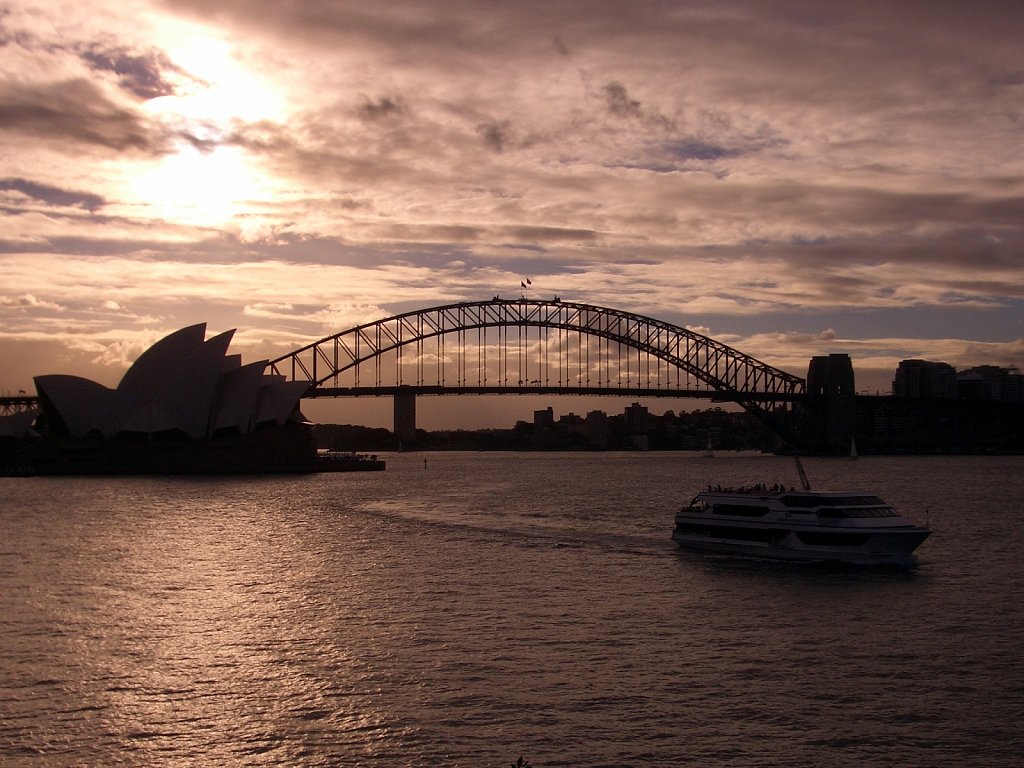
(29, 301)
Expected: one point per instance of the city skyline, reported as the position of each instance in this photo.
(787, 179)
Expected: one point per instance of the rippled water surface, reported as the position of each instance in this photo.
(488, 606)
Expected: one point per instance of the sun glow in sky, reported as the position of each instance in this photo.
(217, 87)
(199, 188)
(788, 178)
(204, 180)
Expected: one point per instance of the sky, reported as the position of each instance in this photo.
(789, 178)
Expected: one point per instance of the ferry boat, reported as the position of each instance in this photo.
(338, 461)
(798, 525)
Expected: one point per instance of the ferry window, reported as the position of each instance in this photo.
(871, 512)
(832, 513)
(800, 501)
(743, 510)
(852, 513)
(861, 501)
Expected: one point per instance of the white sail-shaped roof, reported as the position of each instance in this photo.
(278, 398)
(82, 404)
(18, 425)
(182, 382)
(149, 419)
(237, 398)
(179, 374)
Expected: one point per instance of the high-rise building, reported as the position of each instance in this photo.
(636, 419)
(544, 418)
(990, 382)
(924, 378)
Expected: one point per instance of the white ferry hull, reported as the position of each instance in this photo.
(798, 526)
(888, 548)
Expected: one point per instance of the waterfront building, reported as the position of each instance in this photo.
(596, 428)
(991, 382)
(925, 378)
(636, 419)
(544, 418)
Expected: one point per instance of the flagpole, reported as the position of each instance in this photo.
(525, 291)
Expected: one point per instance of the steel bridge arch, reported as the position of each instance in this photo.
(761, 389)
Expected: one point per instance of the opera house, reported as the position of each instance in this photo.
(185, 406)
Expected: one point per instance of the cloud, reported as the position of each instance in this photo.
(496, 135)
(78, 111)
(287, 166)
(876, 359)
(117, 354)
(618, 101)
(694, 149)
(269, 310)
(28, 301)
(53, 195)
(384, 107)
(140, 74)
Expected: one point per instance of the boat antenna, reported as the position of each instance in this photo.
(804, 482)
(785, 436)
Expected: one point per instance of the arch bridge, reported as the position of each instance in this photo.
(532, 346)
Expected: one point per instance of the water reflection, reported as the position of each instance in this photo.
(418, 617)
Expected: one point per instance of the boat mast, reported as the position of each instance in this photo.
(786, 437)
(800, 470)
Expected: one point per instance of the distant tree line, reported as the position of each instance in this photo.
(688, 431)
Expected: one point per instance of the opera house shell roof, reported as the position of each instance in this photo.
(183, 384)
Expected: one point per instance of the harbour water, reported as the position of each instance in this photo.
(463, 609)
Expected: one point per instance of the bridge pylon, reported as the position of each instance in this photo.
(405, 417)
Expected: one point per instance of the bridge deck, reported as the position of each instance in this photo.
(407, 389)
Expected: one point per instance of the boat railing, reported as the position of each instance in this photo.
(762, 489)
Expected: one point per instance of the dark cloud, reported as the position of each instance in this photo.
(551, 234)
(264, 138)
(618, 101)
(140, 74)
(404, 30)
(853, 40)
(206, 143)
(75, 110)
(290, 152)
(1007, 78)
(382, 108)
(143, 247)
(54, 195)
(496, 135)
(698, 150)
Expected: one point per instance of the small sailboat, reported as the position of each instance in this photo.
(853, 448)
(709, 452)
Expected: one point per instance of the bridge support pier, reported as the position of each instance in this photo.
(405, 418)
(830, 411)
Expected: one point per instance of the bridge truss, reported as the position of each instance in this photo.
(526, 346)
(20, 403)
